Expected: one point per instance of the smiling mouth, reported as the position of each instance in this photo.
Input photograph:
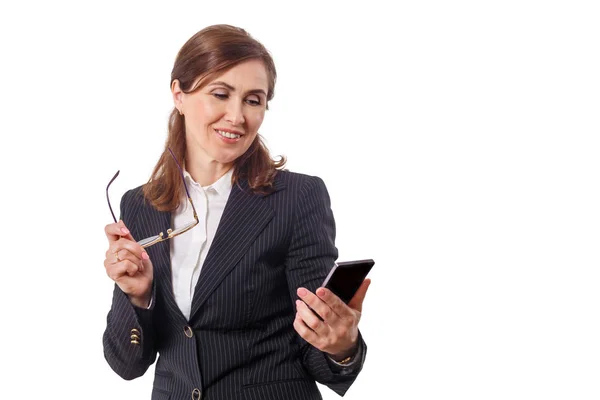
(228, 135)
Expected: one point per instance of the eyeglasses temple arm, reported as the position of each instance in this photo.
(108, 199)
(184, 184)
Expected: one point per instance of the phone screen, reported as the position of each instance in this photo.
(346, 277)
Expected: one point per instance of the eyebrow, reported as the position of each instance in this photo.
(228, 86)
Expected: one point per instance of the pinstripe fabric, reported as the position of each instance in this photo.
(243, 345)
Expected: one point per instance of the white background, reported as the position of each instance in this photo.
(458, 140)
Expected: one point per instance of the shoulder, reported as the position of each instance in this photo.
(133, 198)
(306, 200)
(298, 182)
(301, 188)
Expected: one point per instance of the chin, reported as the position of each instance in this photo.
(226, 158)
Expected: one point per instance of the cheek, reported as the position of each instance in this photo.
(203, 113)
(255, 121)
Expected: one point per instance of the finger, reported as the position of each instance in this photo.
(130, 246)
(120, 269)
(116, 231)
(122, 255)
(132, 268)
(146, 264)
(318, 305)
(357, 301)
(304, 331)
(311, 320)
(339, 308)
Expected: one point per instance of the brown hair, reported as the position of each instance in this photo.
(208, 53)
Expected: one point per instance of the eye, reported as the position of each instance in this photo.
(253, 101)
(220, 96)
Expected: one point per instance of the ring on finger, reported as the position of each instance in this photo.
(117, 257)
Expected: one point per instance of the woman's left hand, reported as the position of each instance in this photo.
(337, 333)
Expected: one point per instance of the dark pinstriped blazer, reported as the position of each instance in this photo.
(239, 342)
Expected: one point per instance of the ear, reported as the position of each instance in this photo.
(177, 95)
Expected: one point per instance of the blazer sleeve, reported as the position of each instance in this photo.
(311, 255)
(127, 355)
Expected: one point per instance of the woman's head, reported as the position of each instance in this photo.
(222, 116)
(215, 49)
(221, 82)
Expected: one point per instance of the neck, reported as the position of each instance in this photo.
(206, 173)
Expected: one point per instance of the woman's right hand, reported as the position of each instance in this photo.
(128, 264)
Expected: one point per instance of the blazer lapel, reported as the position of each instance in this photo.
(244, 217)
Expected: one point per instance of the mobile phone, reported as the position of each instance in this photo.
(345, 278)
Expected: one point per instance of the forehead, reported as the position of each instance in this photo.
(246, 75)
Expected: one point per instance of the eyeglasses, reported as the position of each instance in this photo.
(152, 240)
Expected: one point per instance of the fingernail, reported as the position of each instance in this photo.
(125, 231)
(321, 292)
(301, 292)
(298, 302)
(145, 256)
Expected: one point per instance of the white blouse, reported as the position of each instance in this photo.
(189, 250)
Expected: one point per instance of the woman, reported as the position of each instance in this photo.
(225, 302)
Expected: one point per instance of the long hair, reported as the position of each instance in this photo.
(208, 53)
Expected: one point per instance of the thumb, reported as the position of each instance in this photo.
(359, 296)
(124, 229)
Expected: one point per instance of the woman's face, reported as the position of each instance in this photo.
(222, 119)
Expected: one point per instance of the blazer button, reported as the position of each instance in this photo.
(196, 394)
(188, 331)
(135, 339)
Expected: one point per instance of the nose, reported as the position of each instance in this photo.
(235, 113)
